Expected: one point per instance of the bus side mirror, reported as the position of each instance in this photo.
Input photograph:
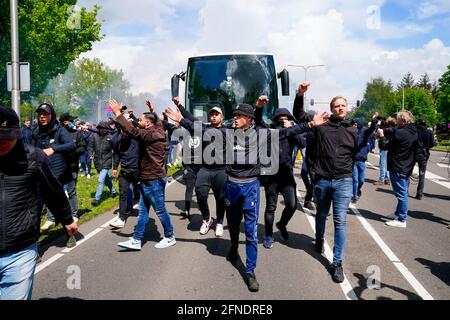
(175, 86)
(284, 76)
(175, 83)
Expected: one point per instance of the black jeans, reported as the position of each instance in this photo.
(207, 179)
(308, 179)
(286, 186)
(190, 176)
(422, 170)
(127, 176)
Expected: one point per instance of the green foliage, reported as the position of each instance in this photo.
(377, 97)
(84, 83)
(419, 102)
(443, 97)
(424, 82)
(407, 81)
(48, 39)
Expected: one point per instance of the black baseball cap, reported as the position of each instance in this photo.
(66, 117)
(245, 109)
(9, 124)
(45, 107)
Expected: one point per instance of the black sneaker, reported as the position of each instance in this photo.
(185, 215)
(71, 242)
(283, 231)
(319, 246)
(309, 205)
(233, 254)
(95, 202)
(252, 283)
(419, 196)
(337, 273)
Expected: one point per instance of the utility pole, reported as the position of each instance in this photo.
(305, 68)
(15, 92)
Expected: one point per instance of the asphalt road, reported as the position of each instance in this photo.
(380, 262)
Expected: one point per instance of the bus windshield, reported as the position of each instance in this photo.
(228, 80)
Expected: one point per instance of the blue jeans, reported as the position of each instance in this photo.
(400, 185)
(338, 191)
(152, 194)
(17, 273)
(242, 199)
(359, 171)
(104, 177)
(384, 173)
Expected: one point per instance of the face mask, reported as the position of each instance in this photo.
(71, 126)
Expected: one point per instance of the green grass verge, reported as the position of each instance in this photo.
(441, 148)
(86, 211)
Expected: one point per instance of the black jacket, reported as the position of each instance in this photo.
(102, 148)
(363, 139)
(22, 172)
(72, 158)
(333, 149)
(54, 135)
(403, 146)
(427, 139)
(128, 148)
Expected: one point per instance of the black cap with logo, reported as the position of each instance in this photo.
(245, 109)
(9, 124)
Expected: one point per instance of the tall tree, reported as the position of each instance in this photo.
(417, 100)
(377, 97)
(443, 97)
(407, 81)
(424, 82)
(86, 83)
(52, 34)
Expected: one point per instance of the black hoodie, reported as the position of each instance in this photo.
(53, 135)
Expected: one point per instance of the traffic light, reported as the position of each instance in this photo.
(311, 102)
(358, 103)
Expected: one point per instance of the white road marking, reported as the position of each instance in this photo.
(421, 291)
(345, 286)
(442, 165)
(54, 258)
(428, 175)
(48, 262)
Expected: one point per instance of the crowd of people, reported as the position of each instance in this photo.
(40, 163)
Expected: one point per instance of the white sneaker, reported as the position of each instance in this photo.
(166, 242)
(47, 225)
(206, 226)
(396, 223)
(88, 176)
(137, 206)
(219, 230)
(118, 223)
(131, 244)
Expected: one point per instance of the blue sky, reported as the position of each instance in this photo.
(150, 40)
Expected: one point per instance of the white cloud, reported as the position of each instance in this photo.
(428, 9)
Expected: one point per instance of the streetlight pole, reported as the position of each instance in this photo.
(15, 89)
(305, 68)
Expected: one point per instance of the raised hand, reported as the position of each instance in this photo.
(150, 106)
(173, 115)
(116, 107)
(262, 101)
(176, 101)
(303, 87)
(319, 120)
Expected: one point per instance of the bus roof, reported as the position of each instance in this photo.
(231, 54)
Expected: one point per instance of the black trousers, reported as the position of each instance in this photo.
(422, 170)
(283, 183)
(190, 176)
(214, 179)
(127, 176)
